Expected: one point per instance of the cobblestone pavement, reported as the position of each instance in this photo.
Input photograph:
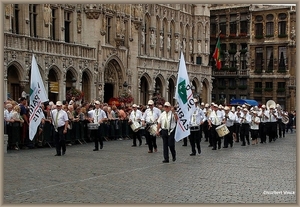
(120, 174)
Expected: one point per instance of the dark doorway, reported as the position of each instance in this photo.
(108, 92)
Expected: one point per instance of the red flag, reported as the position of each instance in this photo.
(216, 55)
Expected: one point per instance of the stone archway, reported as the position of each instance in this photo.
(113, 80)
(14, 88)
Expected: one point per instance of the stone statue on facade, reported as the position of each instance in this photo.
(47, 14)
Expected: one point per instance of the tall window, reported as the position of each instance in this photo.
(281, 85)
(233, 25)
(223, 24)
(15, 20)
(270, 61)
(270, 25)
(108, 35)
(243, 56)
(243, 25)
(213, 29)
(67, 26)
(32, 18)
(53, 25)
(269, 85)
(257, 84)
(258, 29)
(282, 58)
(282, 24)
(258, 26)
(258, 58)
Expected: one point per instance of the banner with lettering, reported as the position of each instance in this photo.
(38, 95)
(184, 97)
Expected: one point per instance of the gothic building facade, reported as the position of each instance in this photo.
(104, 49)
(258, 53)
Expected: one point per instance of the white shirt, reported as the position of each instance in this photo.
(230, 119)
(135, 115)
(60, 119)
(166, 119)
(151, 116)
(98, 115)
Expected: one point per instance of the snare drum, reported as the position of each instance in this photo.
(92, 126)
(222, 130)
(152, 129)
(135, 126)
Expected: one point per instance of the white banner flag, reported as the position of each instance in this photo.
(184, 97)
(38, 95)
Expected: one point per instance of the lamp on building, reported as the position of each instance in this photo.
(125, 84)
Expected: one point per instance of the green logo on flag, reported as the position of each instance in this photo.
(182, 91)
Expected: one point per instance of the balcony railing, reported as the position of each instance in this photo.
(39, 45)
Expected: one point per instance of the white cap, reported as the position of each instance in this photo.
(58, 103)
(134, 105)
(263, 106)
(167, 104)
(150, 102)
(97, 102)
(207, 105)
(226, 108)
(202, 103)
(195, 100)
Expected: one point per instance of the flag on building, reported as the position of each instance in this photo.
(216, 54)
(184, 97)
(38, 95)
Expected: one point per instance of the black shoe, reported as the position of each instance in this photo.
(192, 154)
(219, 147)
(165, 161)
(214, 148)
(237, 141)
(231, 144)
(184, 145)
(206, 140)
(146, 143)
(199, 151)
(243, 144)
(101, 147)
(95, 149)
(174, 159)
(210, 145)
(248, 142)
(64, 152)
(140, 144)
(225, 147)
(134, 145)
(57, 155)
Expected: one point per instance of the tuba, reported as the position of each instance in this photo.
(270, 103)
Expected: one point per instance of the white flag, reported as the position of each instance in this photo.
(184, 97)
(38, 95)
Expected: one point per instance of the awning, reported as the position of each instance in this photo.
(244, 101)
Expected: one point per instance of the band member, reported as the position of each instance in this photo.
(99, 117)
(245, 120)
(262, 131)
(237, 123)
(166, 125)
(254, 127)
(60, 122)
(281, 126)
(135, 117)
(229, 122)
(215, 120)
(205, 129)
(196, 121)
(272, 123)
(149, 118)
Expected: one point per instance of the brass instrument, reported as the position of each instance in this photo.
(270, 103)
(285, 119)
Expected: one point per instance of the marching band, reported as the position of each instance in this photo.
(216, 123)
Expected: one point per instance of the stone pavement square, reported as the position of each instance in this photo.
(121, 174)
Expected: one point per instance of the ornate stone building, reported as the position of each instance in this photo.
(103, 49)
(258, 50)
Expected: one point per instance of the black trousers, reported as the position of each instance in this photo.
(237, 131)
(262, 132)
(215, 137)
(245, 129)
(98, 138)
(281, 128)
(60, 140)
(136, 135)
(228, 137)
(272, 130)
(205, 130)
(168, 143)
(151, 141)
(195, 140)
